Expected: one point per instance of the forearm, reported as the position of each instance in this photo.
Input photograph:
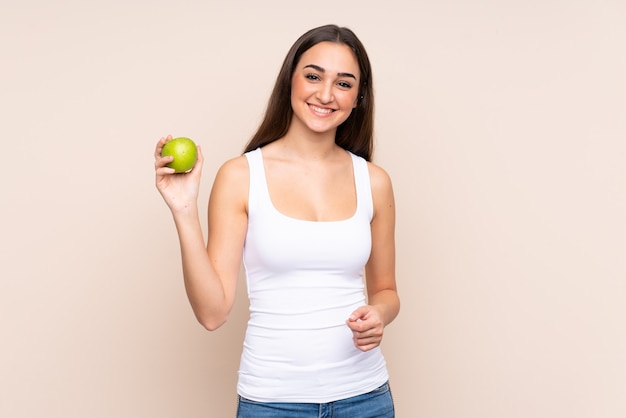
(202, 284)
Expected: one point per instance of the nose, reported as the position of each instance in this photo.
(325, 93)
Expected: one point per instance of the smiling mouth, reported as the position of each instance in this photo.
(321, 110)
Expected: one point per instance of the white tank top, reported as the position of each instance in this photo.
(304, 279)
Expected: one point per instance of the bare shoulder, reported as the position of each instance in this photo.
(382, 191)
(232, 179)
(235, 168)
(379, 178)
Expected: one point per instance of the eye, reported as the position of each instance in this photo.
(344, 84)
(312, 77)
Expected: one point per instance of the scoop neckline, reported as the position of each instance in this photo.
(294, 219)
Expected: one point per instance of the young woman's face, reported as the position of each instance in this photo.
(325, 86)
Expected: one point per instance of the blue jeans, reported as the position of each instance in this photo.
(375, 404)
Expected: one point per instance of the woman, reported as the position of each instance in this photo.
(313, 221)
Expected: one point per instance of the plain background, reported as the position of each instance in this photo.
(502, 124)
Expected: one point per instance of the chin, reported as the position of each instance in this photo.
(322, 130)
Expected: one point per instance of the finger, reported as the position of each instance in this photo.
(355, 326)
(367, 341)
(370, 333)
(196, 170)
(367, 347)
(200, 155)
(162, 161)
(361, 326)
(162, 171)
(359, 313)
(200, 159)
(159, 146)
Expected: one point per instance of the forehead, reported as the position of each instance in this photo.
(332, 57)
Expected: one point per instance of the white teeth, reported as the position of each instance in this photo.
(320, 110)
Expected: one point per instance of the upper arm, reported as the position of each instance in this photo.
(380, 269)
(228, 222)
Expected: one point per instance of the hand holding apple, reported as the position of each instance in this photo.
(179, 185)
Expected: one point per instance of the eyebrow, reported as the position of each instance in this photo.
(321, 70)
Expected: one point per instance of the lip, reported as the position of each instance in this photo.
(321, 111)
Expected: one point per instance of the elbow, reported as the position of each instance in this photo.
(211, 317)
(212, 323)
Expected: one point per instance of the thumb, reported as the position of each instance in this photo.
(197, 168)
(359, 313)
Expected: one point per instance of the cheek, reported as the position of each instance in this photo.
(351, 100)
(298, 87)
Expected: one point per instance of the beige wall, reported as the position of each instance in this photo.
(502, 124)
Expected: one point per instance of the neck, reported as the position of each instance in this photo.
(307, 145)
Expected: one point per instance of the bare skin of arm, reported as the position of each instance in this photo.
(368, 322)
(210, 270)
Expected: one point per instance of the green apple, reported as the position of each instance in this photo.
(184, 152)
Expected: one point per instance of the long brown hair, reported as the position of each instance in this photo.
(356, 133)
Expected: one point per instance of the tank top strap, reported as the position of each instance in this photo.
(258, 184)
(365, 204)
